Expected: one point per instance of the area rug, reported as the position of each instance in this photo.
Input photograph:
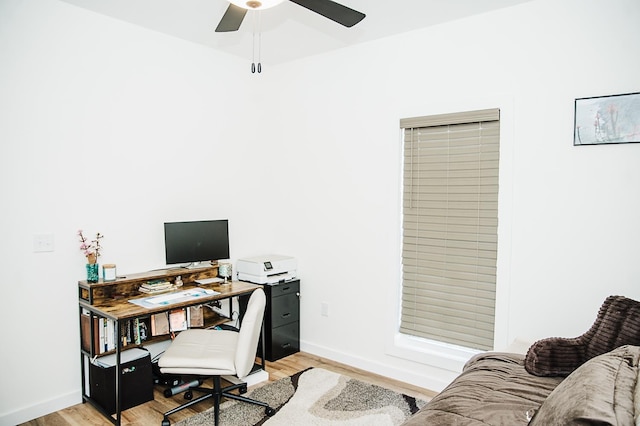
(316, 397)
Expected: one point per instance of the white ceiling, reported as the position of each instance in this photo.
(288, 31)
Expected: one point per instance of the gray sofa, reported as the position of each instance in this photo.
(588, 380)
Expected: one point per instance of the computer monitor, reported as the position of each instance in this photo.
(196, 243)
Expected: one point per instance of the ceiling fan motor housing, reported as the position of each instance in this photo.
(256, 4)
(337, 12)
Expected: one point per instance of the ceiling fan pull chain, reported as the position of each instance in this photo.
(257, 27)
(259, 42)
(260, 52)
(253, 47)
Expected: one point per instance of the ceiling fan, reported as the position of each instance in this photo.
(233, 17)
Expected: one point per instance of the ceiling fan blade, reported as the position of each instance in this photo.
(232, 19)
(336, 12)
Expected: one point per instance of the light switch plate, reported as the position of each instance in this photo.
(43, 243)
(324, 309)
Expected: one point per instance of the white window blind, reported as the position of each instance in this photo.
(450, 220)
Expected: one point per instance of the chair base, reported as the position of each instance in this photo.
(217, 392)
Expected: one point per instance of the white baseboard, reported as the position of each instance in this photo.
(40, 409)
(256, 377)
(430, 382)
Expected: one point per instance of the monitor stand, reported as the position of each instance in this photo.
(199, 265)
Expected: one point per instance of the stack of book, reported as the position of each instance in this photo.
(157, 286)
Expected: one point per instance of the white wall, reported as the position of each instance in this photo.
(103, 127)
(568, 228)
(111, 128)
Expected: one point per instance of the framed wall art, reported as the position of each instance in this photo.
(607, 119)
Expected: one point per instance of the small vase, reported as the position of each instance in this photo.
(92, 272)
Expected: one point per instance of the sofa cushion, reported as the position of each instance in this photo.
(636, 402)
(493, 389)
(599, 392)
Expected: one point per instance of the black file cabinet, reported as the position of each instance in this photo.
(282, 319)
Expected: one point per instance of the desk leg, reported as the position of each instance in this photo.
(89, 331)
(264, 347)
(118, 383)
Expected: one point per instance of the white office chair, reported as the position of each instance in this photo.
(215, 353)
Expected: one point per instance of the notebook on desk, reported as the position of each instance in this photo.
(205, 281)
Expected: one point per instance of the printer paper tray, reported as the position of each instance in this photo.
(270, 279)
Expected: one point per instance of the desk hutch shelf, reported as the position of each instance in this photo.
(110, 300)
(109, 292)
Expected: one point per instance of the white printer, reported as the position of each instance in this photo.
(268, 269)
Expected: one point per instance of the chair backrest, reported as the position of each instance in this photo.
(250, 333)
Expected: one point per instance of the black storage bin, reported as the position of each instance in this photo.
(136, 380)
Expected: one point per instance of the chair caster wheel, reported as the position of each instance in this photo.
(243, 389)
(166, 422)
(188, 395)
(269, 411)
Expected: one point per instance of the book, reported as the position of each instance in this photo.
(157, 286)
(144, 328)
(141, 329)
(97, 325)
(125, 333)
(110, 335)
(195, 316)
(178, 319)
(85, 331)
(159, 324)
(103, 335)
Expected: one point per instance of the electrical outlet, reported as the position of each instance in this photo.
(324, 309)
(43, 243)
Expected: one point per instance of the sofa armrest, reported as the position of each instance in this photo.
(554, 356)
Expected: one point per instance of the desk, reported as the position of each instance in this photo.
(110, 300)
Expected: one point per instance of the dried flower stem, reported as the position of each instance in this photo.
(90, 249)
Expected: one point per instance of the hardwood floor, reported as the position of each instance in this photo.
(150, 413)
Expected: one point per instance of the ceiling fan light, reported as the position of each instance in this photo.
(256, 4)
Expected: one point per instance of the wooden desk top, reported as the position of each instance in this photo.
(119, 309)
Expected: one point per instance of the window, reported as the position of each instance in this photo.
(450, 221)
